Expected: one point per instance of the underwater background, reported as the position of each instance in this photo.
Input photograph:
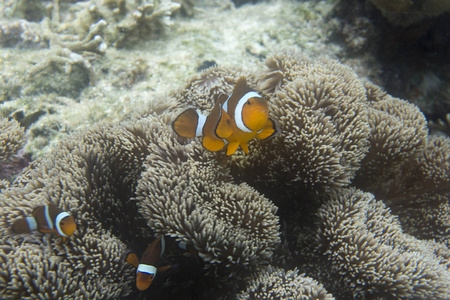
(350, 200)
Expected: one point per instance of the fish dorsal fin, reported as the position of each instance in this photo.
(152, 253)
(240, 84)
(240, 89)
(187, 123)
(224, 129)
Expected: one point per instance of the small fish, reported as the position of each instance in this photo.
(237, 119)
(249, 113)
(214, 128)
(47, 219)
(146, 270)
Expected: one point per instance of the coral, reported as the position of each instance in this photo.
(225, 222)
(28, 9)
(128, 183)
(21, 34)
(276, 283)
(146, 21)
(365, 244)
(12, 139)
(320, 107)
(86, 268)
(78, 70)
(420, 193)
(94, 175)
(398, 135)
(93, 41)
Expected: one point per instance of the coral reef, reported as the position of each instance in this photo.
(91, 175)
(320, 105)
(94, 175)
(367, 247)
(350, 200)
(398, 135)
(226, 223)
(275, 283)
(12, 139)
(12, 157)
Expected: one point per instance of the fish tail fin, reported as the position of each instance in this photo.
(224, 129)
(232, 147)
(213, 144)
(186, 123)
(270, 129)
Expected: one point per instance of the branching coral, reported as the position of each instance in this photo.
(21, 34)
(275, 283)
(367, 247)
(93, 41)
(148, 19)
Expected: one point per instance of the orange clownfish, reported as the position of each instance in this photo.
(46, 219)
(146, 270)
(239, 118)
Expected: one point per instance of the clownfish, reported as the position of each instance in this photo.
(146, 270)
(47, 219)
(237, 119)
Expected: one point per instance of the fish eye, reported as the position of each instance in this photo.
(249, 102)
(62, 223)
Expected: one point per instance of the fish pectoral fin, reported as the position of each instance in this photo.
(265, 133)
(164, 268)
(132, 259)
(185, 124)
(223, 129)
(213, 144)
(46, 230)
(232, 147)
(269, 130)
